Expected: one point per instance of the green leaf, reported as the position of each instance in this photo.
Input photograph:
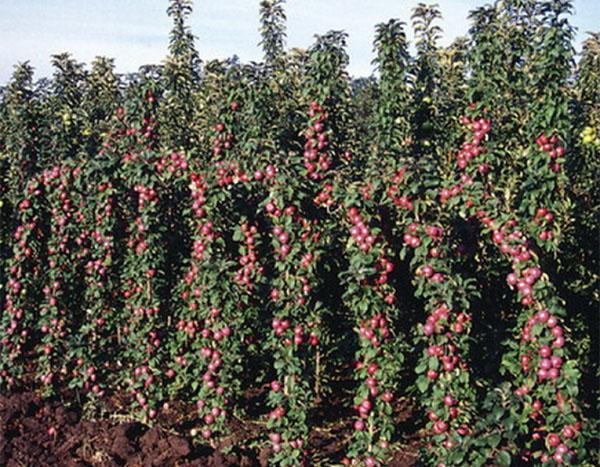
(503, 458)
(494, 440)
(422, 383)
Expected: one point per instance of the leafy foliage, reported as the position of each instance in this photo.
(198, 233)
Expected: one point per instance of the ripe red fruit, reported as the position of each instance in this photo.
(568, 432)
(440, 426)
(553, 440)
(370, 461)
(449, 401)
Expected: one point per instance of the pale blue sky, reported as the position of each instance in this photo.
(135, 32)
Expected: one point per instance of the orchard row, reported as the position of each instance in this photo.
(195, 232)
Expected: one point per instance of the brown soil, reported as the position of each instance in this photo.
(25, 439)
